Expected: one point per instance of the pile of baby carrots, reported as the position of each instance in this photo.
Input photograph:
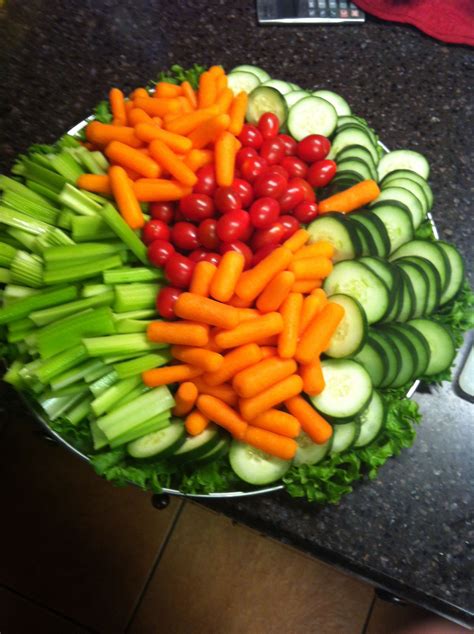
(157, 142)
(248, 343)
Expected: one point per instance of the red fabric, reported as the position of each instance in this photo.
(446, 20)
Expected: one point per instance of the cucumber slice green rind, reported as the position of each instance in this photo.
(419, 343)
(430, 251)
(377, 229)
(254, 466)
(410, 186)
(409, 360)
(403, 160)
(344, 436)
(159, 443)
(434, 281)
(347, 391)
(440, 342)
(392, 195)
(457, 272)
(282, 86)
(353, 136)
(336, 229)
(398, 224)
(248, 68)
(266, 99)
(340, 105)
(217, 452)
(392, 176)
(309, 452)
(419, 283)
(408, 300)
(311, 115)
(372, 421)
(294, 96)
(374, 359)
(196, 446)
(392, 354)
(239, 81)
(351, 333)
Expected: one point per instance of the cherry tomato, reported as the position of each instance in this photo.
(263, 212)
(262, 253)
(166, 300)
(293, 195)
(268, 124)
(240, 247)
(289, 143)
(274, 234)
(309, 191)
(313, 147)
(184, 236)
(198, 254)
(294, 166)
(278, 169)
(207, 234)
(306, 211)
(197, 207)
(291, 225)
(159, 251)
(163, 212)
(233, 225)
(270, 184)
(243, 154)
(273, 150)
(250, 136)
(206, 183)
(227, 199)
(247, 234)
(244, 191)
(321, 173)
(213, 258)
(179, 270)
(155, 230)
(253, 167)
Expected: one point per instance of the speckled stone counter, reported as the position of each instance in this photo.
(410, 531)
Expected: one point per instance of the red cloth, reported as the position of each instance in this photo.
(446, 20)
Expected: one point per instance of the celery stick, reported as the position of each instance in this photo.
(91, 290)
(8, 184)
(26, 239)
(21, 324)
(45, 192)
(40, 211)
(80, 271)
(148, 427)
(86, 228)
(5, 276)
(18, 335)
(75, 374)
(51, 238)
(135, 413)
(131, 396)
(78, 201)
(7, 253)
(27, 269)
(105, 401)
(55, 406)
(124, 232)
(132, 325)
(135, 314)
(13, 293)
(47, 178)
(84, 251)
(61, 362)
(65, 164)
(135, 297)
(128, 275)
(88, 161)
(48, 315)
(44, 299)
(17, 219)
(100, 160)
(99, 439)
(12, 375)
(65, 217)
(142, 364)
(79, 411)
(95, 373)
(120, 344)
(110, 359)
(103, 383)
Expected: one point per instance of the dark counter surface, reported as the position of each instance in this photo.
(411, 530)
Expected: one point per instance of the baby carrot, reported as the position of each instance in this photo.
(117, 106)
(97, 183)
(198, 158)
(350, 199)
(157, 121)
(132, 158)
(125, 197)
(137, 115)
(220, 413)
(224, 100)
(224, 152)
(291, 313)
(275, 292)
(208, 360)
(305, 286)
(171, 163)
(311, 268)
(149, 132)
(185, 397)
(188, 92)
(259, 377)
(156, 107)
(181, 332)
(139, 92)
(221, 83)
(268, 351)
(164, 89)
(318, 429)
(216, 70)
(208, 131)
(237, 112)
(273, 444)
(312, 250)
(196, 423)
(278, 422)
(186, 123)
(253, 282)
(228, 272)
(128, 109)
(236, 301)
(207, 91)
(269, 341)
(132, 174)
(251, 407)
(313, 380)
(202, 278)
(156, 189)
(315, 339)
(103, 133)
(234, 361)
(312, 305)
(250, 331)
(170, 374)
(297, 240)
(223, 392)
(206, 310)
(247, 313)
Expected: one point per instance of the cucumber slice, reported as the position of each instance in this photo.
(255, 466)
(406, 198)
(309, 452)
(266, 99)
(396, 297)
(434, 282)
(159, 443)
(217, 452)
(344, 436)
(410, 186)
(248, 68)
(382, 268)
(358, 281)
(366, 240)
(358, 152)
(242, 81)
(294, 96)
(420, 345)
(353, 136)
(197, 446)
(377, 230)
(335, 229)
(345, 122)
(408, 300)
(409, 361)
(294, 86)
(392, 355)
(282, 86)
(440, 342)
(347, 391)
(430, 251)
(403, 160)
(339, 103)
(311, 115)
(355, 165)
(372, 420)
(456, 279)
(398, 224)
(420, 284)
(351, 332)
(374, 359)
(412, 176)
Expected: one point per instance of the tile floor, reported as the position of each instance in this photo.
(81, 556)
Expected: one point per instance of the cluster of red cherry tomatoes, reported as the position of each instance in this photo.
(271, 196)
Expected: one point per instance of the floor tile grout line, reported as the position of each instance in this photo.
(369, 615)
(154, 566)
(48, 608)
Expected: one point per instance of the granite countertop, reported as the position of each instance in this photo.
(411, 530)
